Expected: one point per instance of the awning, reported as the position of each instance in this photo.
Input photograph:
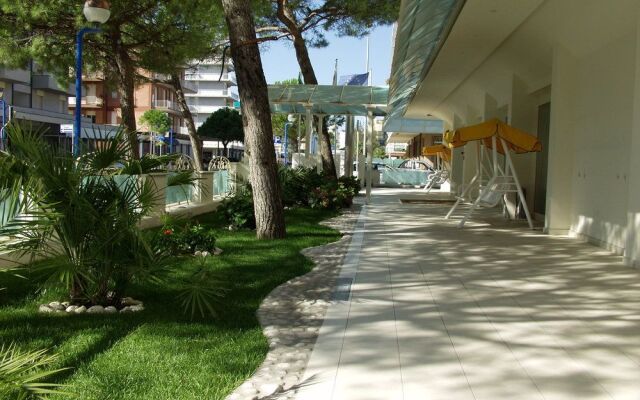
(518, 141)
(422, 28)
(328, 99)
(438, 149)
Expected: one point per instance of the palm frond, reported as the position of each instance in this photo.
(111, 152)
(22, 373)
(200, 293)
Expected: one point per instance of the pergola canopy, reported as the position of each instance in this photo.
(328, 99)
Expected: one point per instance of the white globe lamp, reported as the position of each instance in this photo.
(97, 11)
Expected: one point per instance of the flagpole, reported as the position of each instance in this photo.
(368, 69)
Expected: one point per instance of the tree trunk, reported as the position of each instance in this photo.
(304, 61)
(196, 144)
(256, 117)
(226, 152)
(126, 88)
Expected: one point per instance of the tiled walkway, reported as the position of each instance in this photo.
(487, 312)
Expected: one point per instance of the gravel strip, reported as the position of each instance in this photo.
(292, 314)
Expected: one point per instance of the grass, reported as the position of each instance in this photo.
(161, 354)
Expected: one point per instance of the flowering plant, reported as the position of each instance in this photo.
(185, 239)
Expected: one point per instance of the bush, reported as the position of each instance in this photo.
(185, 239)
(302, 187)
(88, 206)
(297, 184)
(237, 209)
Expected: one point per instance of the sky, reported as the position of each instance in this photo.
(279, 58)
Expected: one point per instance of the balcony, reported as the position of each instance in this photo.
(15, 75)
(166, 105)
(189, 86)
(49, 83)
(88, 101)
(212, 77)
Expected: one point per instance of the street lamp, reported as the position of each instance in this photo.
(291, 118)
(95, 11)
(4, 120)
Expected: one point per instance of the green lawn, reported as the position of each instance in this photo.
(160, 354)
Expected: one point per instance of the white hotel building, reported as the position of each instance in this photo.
(213, 84)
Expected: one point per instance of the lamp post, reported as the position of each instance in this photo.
(95, 11)
(291, 118)
(4, 121)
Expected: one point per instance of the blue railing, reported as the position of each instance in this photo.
(178, 194)
(221, 183)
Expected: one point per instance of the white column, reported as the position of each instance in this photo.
(561, 145)
(457, 159)
(348, 147)
(632, 247)
(307, 136)
(203, 188)
(361, 155)
(369, 166)
(318, 133)
(523, 114)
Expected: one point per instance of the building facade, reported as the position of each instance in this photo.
(101, 104)
(101, 101)
(566, 71)
(34, 96)
(213, 85)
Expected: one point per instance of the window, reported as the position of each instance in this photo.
(399, 147)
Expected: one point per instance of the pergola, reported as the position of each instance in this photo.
(323, 100)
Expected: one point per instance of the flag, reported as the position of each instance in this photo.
(354, 80)
(300, 79)
(335, 74)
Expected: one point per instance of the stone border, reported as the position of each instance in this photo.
(292, 314)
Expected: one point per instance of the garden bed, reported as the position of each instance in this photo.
(161, 353)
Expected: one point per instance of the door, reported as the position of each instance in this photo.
(542, 159)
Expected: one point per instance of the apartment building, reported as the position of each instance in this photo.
(213, 88)
(34, 96)
(101, 103)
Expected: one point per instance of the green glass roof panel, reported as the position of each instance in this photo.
(328, 99)
(422, 28)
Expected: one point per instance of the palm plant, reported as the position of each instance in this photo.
(22, 374)
(81, 215)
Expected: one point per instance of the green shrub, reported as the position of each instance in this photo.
(177, 239)
(297, 184)
(88, 206)
(301, 187)
(237, 209)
